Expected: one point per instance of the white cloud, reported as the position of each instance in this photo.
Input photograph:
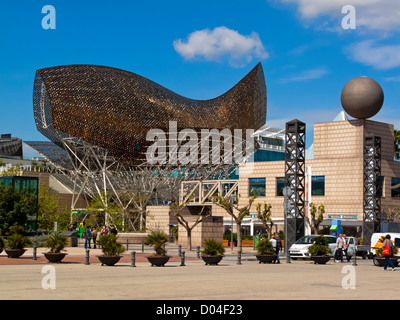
(211, 45)
(371, 14)
(392, 79)
(378, 56)
(306, 75)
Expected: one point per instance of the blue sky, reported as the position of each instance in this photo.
(200, 49)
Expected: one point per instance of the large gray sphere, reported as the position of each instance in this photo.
(362, 97)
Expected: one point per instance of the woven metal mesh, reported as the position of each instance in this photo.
(114, 109)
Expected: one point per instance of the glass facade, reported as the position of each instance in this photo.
(257, 186)
(19, 183)
(380, 182)
(280, 184)
(395, 187)
(268, 155)
(318, 185)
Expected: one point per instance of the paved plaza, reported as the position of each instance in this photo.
(23, 278)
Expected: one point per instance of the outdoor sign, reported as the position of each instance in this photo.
(342, 216)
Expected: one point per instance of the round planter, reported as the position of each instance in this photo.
(212, 260)
(263, 258)
(15, 253)
(158, 261)
(108, 260)
(54, 257)
(380, 262)
(320, 259)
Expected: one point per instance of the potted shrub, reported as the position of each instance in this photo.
(213, 252)
(156, 239)
(56, 243)
(111, 249)
(265, 251)
(16, 242)
(319, 250)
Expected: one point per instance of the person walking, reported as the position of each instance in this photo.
(388, 242)
(80, 230)
(278, 247)
(94, 237)
(88, 235)
(345, 248)
(339, 249)
(273, 241)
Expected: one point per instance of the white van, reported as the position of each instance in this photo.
(376, 244)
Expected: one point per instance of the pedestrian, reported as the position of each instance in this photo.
(278, 247)
(88, 235)
(80, 230)
(339, 249)
(345, 248)
(388, 242)
(103, 231)
(94, 237)
(273, 241)
(113, 230)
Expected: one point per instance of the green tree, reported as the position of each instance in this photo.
(316, 217)
(176, 210)
(265, 216)
(103, 211)
(237, 213)
(49, 210)
(15, 207)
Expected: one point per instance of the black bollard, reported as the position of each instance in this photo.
(34, 254)
(133, 259)
(183, 259)
(87, 257)
(179, 250)
(142, 246)
(239, 257)
(355, 256)
(127, 245)
(198, 252)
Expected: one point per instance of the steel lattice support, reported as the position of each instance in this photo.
(371, 186)
(295, 179)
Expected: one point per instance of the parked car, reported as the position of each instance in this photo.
(299, 250)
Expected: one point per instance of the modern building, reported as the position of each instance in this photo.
(334, 178)
(10, 147)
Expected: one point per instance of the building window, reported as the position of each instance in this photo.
(280, 184)
(395, 187)
(380, 184)
(257, 187)
(318, 185)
